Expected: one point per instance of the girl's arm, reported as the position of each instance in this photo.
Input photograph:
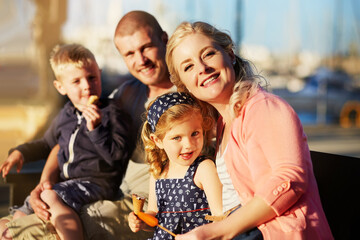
(254, 213)
(206, 178)
(135, 223)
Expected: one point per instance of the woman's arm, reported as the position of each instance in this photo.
(254, 213)
(206, 178)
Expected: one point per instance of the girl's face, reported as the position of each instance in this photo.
(205, 68)
(184, 142)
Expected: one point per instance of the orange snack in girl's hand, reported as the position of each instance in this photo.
(148, 219)
(153, 222)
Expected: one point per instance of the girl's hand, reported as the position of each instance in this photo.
(92, 116)
(135, 223)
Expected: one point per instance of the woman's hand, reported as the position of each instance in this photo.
(195, 234)
(250, 215)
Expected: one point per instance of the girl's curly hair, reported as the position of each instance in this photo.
(157, 157)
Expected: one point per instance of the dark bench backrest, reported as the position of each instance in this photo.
(338, 179)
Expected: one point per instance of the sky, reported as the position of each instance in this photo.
(320, 26)
(323, 27)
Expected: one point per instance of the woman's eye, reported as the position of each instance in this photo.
(187, 68)
(209, 53)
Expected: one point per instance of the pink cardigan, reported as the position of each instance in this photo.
(268, 156)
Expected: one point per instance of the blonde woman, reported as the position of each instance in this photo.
(260, 139)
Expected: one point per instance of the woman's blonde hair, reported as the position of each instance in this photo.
(74, 54)
(157, 157)
(246, 81)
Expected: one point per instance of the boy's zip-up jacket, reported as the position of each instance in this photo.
(100, 154)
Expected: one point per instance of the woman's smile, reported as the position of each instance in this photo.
(206, 69)
(209, 80)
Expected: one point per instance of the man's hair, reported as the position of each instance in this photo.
(135, 20)
(74, 54)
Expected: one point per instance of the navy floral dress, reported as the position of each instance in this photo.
(182, 205)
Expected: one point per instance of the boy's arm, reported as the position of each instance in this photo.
(34, 150)
(51, 169)
(14, 158)
(112, 138)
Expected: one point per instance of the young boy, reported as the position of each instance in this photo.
(93, 153)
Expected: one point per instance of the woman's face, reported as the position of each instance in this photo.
(205, 68)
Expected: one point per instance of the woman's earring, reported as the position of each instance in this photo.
(234, 62)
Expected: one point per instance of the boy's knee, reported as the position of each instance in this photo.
(49, 196)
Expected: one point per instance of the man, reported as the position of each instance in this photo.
(142, 43)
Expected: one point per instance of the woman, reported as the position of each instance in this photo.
(260, 139)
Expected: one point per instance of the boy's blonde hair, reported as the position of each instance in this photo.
(74, 54)
(157, 157)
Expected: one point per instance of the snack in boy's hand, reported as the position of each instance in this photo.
(92, 99)
(138, 203)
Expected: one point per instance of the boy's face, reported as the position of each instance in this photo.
(79, 83)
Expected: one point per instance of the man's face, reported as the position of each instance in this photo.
(144, 55)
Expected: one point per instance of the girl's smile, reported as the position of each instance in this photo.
(186, 156)
(183, 143)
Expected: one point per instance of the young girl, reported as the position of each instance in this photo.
(183, 183)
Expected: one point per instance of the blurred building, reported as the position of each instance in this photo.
(281, 38)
